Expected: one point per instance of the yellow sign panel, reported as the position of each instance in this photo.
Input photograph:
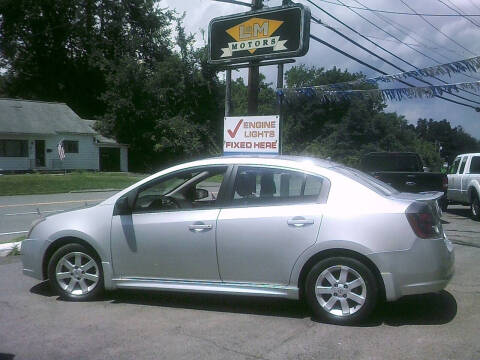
(254, 29)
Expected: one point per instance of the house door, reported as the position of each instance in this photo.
(109, 159)
(39, 153)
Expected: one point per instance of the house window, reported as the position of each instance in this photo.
(13, 148)
(70, 146)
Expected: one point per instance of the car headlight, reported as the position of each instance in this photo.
(35, 223)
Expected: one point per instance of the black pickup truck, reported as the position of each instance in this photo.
(405, 172)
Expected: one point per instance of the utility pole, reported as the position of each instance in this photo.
(254, 75)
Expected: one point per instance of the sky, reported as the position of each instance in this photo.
(460, 40)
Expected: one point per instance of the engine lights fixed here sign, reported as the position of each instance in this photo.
(251, 134)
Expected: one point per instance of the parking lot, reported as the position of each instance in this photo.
(35, 324)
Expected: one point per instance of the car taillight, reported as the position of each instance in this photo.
(423, 220)
(445, 183)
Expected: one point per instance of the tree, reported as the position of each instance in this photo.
(453, 141)
(347, 129)
(167, 110)
(62, 50)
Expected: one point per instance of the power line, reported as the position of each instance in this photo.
(471, 2)
(436, 28)
(235, 2)
(388, 62)
(405, 31)
(380, 71)
(398, 12)
(381, 47)
(458, 11)
(388, 33)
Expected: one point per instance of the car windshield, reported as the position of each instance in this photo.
(369, 181)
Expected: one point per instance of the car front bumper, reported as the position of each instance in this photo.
(426, 267)
(32, 255)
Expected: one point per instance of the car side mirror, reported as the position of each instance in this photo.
(124, 205)
(201, 194)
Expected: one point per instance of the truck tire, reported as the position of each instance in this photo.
(475, 207)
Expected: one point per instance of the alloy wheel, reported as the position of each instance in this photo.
(77, 273)
(340, 290)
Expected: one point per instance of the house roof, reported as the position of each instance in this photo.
(99, 137)
(37, 117)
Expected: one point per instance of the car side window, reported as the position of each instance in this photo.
(185, 190)
(462, 164)
(454, 167)
(475, 165)
(258, 186)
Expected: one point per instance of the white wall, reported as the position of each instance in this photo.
(86, 159)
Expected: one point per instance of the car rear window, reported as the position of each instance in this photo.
(376, 185)
(391, 162)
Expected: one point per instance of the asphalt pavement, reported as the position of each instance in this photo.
(35, 324)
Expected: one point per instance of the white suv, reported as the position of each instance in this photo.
(464, 182)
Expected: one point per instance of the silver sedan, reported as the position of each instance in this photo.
(288, 227)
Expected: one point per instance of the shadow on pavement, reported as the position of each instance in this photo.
(428, 309)
(464, 212)
(6, 356)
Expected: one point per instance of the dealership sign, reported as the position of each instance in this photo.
(251, 134)
(279, 32)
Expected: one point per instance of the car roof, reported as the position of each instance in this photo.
(468, 154)
(325, 163)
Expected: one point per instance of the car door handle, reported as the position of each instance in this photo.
(410, 183)
(299, 222)
(199, 227)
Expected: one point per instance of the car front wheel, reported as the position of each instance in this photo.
(75, 272)
(341, 290)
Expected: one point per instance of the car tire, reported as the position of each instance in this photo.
(75, 273)
(341, 290)
(444, 204)
(475, 207)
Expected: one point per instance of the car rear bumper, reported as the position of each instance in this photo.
(426, 267)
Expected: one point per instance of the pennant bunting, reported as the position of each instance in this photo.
(397, 94)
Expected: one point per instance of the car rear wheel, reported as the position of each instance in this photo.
(75, 272)
(341, 290)
(475, 207)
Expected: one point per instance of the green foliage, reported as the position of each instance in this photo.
(131, 65)
(345, 131)
(61, 50)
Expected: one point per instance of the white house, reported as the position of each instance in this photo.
(30, 132)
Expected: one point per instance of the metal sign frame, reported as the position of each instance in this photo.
(304, 34)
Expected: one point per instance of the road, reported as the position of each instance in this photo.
(18, 212)
(35, 324)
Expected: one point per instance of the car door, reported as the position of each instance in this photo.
(462, 191)
(274, 214)
(453, 192)
(171, 231)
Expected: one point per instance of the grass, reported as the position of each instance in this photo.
(19, 238)
(27, 184)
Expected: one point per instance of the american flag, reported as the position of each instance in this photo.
(61, 150)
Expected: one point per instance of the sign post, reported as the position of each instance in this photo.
(253, 39)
